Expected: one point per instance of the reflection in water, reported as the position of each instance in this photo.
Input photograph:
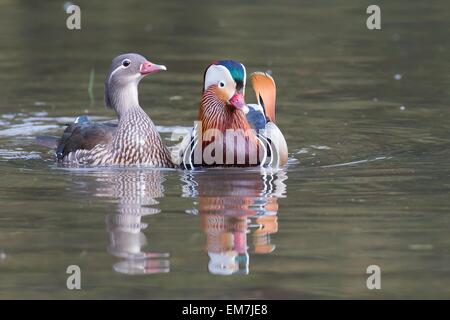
(233, 205)
(136, 191)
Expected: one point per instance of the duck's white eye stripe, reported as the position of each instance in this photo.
(245, 79)
(112, 73)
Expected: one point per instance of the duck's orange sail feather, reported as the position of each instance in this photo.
(266, 92)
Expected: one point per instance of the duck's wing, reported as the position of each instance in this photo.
(261, 117)
(83, 134)
(266, 93)
(255, 116)
(258, 115)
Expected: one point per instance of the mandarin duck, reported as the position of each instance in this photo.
(240, 215)
(133, 140)
(229, 131)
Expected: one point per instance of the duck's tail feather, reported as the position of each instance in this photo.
(266, 92)
(47, 141)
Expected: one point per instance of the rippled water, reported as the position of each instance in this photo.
(365, 114)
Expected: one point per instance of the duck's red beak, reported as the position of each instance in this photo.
(237, 100)
(147, 68)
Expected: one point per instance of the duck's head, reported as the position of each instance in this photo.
(124, 75)
(226, 78)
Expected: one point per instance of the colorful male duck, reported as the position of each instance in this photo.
(134, 140)
(230, 132)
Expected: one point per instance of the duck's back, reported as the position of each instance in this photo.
(84, 135)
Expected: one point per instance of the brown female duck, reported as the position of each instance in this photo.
(133, 140)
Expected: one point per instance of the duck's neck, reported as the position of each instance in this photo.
(137, 139)
(216, 114)
(124, 100)
(239, 140)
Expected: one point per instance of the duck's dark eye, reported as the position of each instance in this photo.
(221, 84)
(126, 62)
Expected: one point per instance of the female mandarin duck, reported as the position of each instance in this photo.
(230, 132)
(134, 140)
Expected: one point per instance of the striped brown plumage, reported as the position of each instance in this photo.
(136, 141)
(216, 114)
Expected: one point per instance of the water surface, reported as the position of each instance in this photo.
(365, 114)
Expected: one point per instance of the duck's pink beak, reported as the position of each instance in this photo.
(147, 68)
(237, 100)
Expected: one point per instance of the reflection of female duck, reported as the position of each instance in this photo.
(137, 192)
(245, 200)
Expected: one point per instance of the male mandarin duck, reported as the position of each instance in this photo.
(133, 140)
(230, 132)
(239, 215)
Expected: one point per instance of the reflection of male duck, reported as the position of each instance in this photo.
(246, 202)
(136, 191)
(226, 243)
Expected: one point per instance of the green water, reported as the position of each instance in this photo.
(365, 114)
